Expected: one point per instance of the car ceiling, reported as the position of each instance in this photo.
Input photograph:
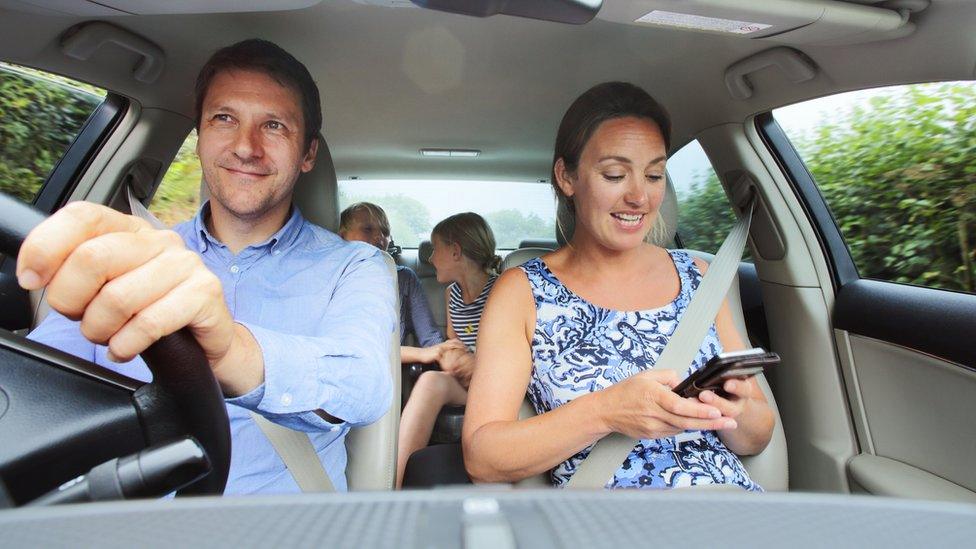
(395, 80)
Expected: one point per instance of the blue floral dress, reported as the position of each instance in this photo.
(578, 348)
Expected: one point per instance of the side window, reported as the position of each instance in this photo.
(178, 196)
(705, 215)
(40, 116)
(897, 167)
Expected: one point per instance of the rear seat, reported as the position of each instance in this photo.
(433, 288)
(447, 428)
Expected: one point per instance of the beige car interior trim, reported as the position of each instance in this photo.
(463, 97)
(728, 149)
(795, 290)
(919, 408)
(794, 66)
(372, 449)
(786, 21)
(881, 476)
(809, 388)
(101, 161)
(859, 416)
(156, 136)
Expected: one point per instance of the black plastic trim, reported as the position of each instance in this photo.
(59, 423)
(80, 153)
(936, 322)
(64, 361)
(842, 266)
(15, 312)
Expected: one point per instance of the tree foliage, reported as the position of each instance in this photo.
(40, 118)
(899, 175)
(178, 196)
(511, 226)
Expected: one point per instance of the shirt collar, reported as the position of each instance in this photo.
(284, 237)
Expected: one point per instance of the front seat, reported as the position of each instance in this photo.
(769, 468)
(371, 449)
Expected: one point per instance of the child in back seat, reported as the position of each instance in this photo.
(464, 256)
(367, 222)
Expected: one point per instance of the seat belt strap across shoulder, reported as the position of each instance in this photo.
(609, 453)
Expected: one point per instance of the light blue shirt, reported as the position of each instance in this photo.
(322, 310)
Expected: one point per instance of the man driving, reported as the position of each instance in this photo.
(294, 321)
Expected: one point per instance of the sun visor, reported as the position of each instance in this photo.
(800, 22)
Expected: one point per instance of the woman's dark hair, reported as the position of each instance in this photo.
(265, 57)
(598, 104)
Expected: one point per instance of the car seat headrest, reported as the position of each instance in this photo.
(317, 192)
(521, 255)
(424, 268)
(669, 214)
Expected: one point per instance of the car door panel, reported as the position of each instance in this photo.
(909, 370)
(918, 411)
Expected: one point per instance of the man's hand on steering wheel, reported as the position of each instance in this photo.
(130, 284)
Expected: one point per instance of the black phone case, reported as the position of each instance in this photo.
(705, 378)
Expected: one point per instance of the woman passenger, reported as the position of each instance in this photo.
(580, 328)
(464, 256)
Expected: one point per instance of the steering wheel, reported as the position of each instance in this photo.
(60, 416)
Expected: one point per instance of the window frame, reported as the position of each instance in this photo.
(15, 313)
(879, 309)
(840, 262)
(80, 153)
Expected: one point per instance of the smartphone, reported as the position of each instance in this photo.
(725, 366)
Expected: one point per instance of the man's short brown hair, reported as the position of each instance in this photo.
(268, 58)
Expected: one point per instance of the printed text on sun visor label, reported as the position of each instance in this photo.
(698, 22)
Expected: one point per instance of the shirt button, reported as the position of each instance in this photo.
(235, 269)
(276, 252)
(286, 399)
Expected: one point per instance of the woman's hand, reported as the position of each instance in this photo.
(738, 392)
(436, 353)
(645, 406)
(452, 344)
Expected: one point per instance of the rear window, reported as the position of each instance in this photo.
(515, 210)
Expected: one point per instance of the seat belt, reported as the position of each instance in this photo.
(294, 448)
(609, 453)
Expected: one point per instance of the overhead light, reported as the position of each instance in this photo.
(460, 153)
